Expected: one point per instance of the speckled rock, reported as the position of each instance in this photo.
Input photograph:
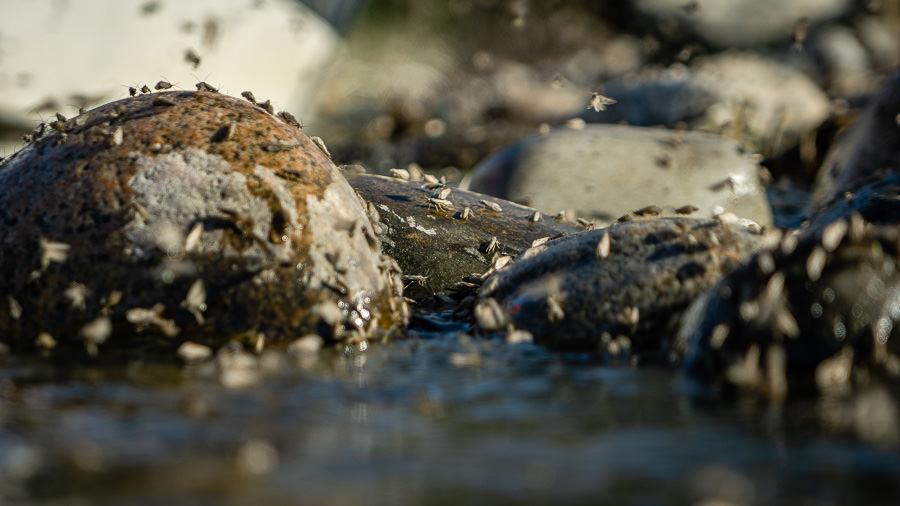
(740, 23)
(439, 235)
(763, 104)
(624, 286)
(188, 214)
(866, 152)
(818, 309)
(605, 171)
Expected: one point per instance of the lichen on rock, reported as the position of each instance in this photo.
(188, 214)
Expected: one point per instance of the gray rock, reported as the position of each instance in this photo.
(741, 23)
(604, 172)
(187, 214)
(436, 241)
(763, 104)
(624, 285)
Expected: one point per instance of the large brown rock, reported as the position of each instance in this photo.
(184, 213)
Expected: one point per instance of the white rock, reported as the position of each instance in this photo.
(57, 56)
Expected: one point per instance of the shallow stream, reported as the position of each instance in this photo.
(436, 418)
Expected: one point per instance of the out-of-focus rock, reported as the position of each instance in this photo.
(440, 235)
(62, 56)
(849, 66)
(188, 214)
(819, 309)
(740, 23)
(868, 151)
(761, 103)
(605, 171)
(632, 280)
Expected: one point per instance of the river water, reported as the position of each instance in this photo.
(432, 418)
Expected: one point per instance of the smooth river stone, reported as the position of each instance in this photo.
(606, 171)
(185, 215)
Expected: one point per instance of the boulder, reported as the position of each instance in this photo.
(185, 215)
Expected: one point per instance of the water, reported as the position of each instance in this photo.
(436, 418)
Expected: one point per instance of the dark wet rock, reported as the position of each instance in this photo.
(739, 23)
(877, 202)
(631, 280)
(763, 104)
(605, 171)
(867, 152)
(439, 234)
(188, 214)
(814, 309)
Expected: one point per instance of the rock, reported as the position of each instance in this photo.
(188, 214)
(605, 171)
(866, 152)
(436, 241)
(815, 309)
(626, 284)
(763, 104)
(60, 57)
(741, 23)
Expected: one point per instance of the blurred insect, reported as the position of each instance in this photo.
(202, 86)
(145, 89)
(163, 85)
(163, 101)
(798, 36)
(439, 204)
(289, 119)
(192, 57)
(249, 96)
(493, 206)
(320, 144)
(599, 102)
(267, 106)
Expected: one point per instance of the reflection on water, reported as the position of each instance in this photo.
(412, 422)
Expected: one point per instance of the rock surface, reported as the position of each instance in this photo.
(741, 23)
(59, 57)
(605, 171)
(813, 310)
(763, 104)
(184, 213)
(436, 241)
(632, 280)
(866, 152)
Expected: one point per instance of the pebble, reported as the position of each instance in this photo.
(572, 295)
(439, 241)
(765, 105)
(191, 215)
(605, 171)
